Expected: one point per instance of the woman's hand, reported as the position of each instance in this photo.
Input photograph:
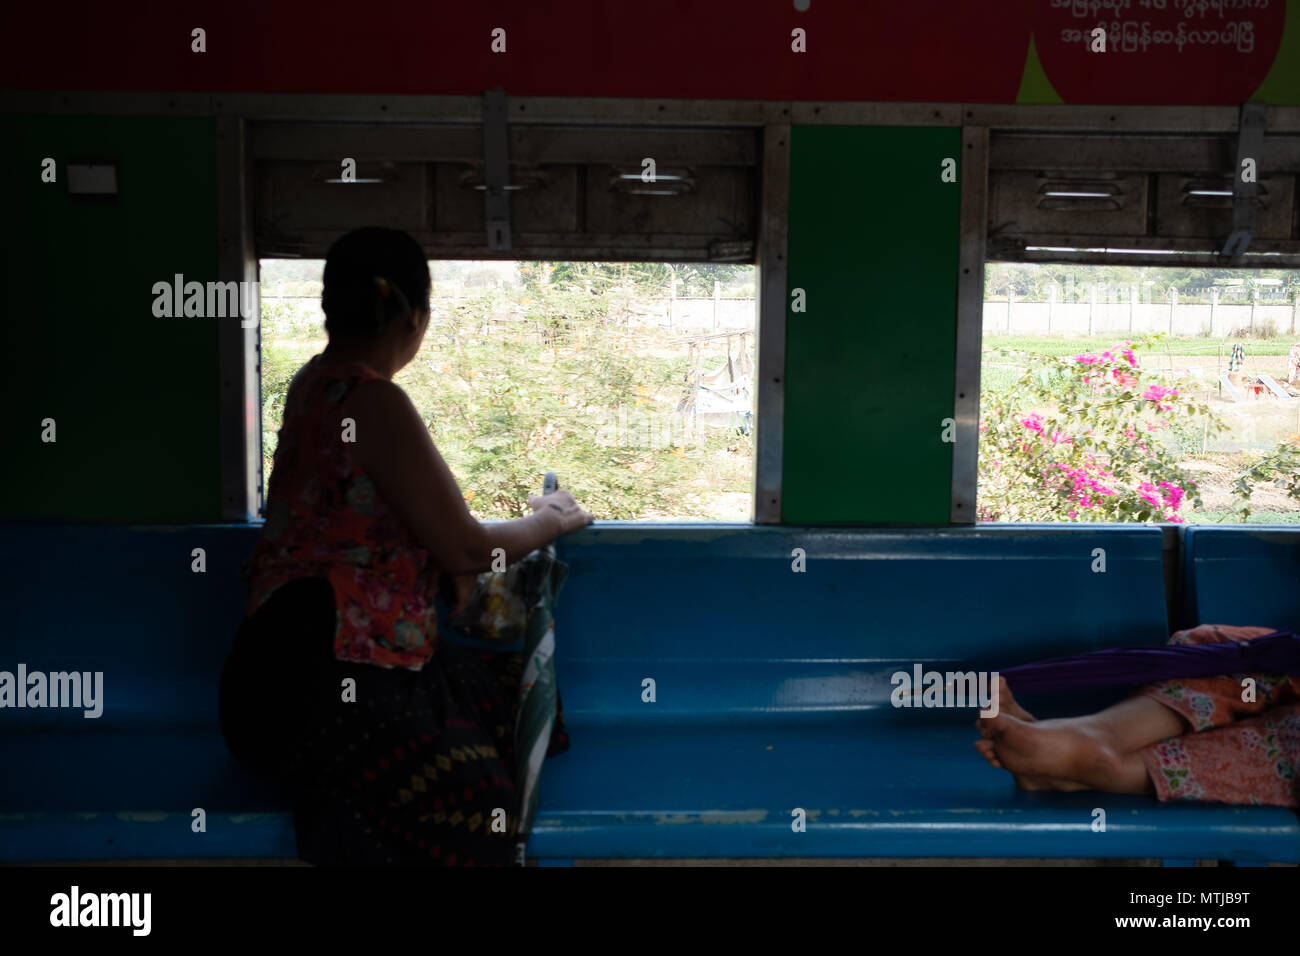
(572, 516)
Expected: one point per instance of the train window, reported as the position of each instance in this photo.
(594, 296)
(1139, 393)
(633, 380)
(1140, 361)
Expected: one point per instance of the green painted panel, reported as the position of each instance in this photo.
(870, 364)
(1281, 87)
(134, 397)
(1035, 87)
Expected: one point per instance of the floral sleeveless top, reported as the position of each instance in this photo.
(326, 519)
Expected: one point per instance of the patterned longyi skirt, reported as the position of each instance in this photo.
(416, 772)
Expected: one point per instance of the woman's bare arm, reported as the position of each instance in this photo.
(394, 448)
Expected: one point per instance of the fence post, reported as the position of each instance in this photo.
(717, 296)
(1011, 301)
(1071, 296)
(1254, 301)
(1295, 306)
(1214, 301)
(1173, 303)
(1132, 304)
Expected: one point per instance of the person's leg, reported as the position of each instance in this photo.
(1112, 750)
(1209, 702)
(260, 696)
(1116, 732)
(1097, 752)
(1254, 761)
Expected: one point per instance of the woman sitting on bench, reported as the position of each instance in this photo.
(1185, 739)
(398, 747)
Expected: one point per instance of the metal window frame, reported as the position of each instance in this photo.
(238, 347)
(970, 323)
(240, 425)
(773, 246)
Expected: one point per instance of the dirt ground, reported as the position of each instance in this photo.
(1216, 476)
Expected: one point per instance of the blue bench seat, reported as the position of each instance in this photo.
(771, 694)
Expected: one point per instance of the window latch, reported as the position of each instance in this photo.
(496, 170)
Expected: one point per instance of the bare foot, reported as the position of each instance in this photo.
(1007, 703)
(1068, 750)
(985, 748)
(1026, 781)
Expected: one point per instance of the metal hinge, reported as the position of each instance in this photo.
(1250, 142)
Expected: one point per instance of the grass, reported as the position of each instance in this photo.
(998, 378)
(1175, 345)
(1256, 517)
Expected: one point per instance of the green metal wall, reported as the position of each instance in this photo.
(870, 363)
(134, 396)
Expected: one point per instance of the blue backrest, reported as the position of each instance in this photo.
(716, 616)
(124, 600)
(717, 611)
(1242, 575)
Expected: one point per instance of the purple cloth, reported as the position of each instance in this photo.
(1276, 653)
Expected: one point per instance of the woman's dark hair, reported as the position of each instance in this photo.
(372, 276)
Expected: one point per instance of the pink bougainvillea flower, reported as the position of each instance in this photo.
(1158, 394)
(1173, 494)
(1147, 492)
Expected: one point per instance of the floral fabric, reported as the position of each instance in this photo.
(1236, 751)
(325, 518)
